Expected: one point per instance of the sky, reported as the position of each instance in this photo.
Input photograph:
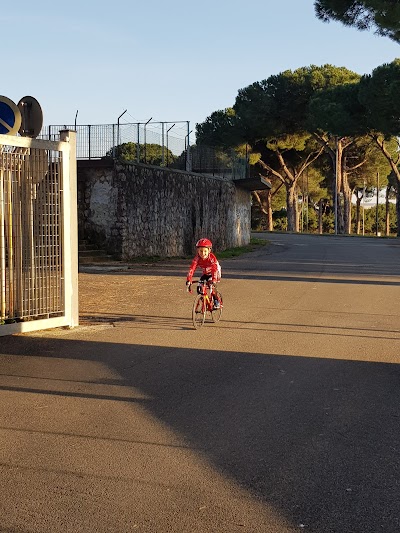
(163, 60)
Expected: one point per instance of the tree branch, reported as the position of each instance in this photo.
(272, 171)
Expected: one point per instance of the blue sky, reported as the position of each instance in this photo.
(169, 61)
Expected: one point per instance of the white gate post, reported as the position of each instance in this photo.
(71, 229)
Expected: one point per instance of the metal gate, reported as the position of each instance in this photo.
(38, 234)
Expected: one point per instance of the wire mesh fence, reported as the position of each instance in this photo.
(38, 234)
(169, 141)
(30, 233)
(216, 162)
(162, 144)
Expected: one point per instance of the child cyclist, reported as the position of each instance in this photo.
(209, 263)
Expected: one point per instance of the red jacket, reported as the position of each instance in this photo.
(209, 266)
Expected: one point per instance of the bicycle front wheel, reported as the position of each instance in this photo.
(199, 312)
(216, 313)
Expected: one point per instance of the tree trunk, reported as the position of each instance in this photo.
(336, 156)
(387, 212)
(292, 210)
(270, 224)
(338, 179)
(358, 218)
(396, 171)
(346, 205)
(265, 205)
(398, 208)
(337, 159)
(321, 202)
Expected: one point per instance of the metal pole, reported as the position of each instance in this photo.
(76, 116)
(113, 141)
(335, 199)
(162, 145)
(187, 148)
(167, 142)
(302, 212)
(377, 203)
(144, 141)
(2, 251)
(188, 165)
(363, 201)
(118, 134)
(10, 244)
(137, 143)
(307, 200)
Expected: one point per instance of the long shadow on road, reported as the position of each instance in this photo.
(183, 323)
(317, 439)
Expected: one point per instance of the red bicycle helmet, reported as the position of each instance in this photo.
(204, 242)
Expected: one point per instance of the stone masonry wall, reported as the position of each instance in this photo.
(135, 210)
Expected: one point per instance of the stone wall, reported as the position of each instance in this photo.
(134, 210)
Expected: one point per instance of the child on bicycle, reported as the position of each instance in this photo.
(210, 265)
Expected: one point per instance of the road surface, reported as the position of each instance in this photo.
(283, 417)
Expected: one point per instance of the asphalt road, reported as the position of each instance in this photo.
(283, 417)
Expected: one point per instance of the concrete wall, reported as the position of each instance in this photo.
(133, 210)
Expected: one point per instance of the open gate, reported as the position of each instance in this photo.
(38, 233)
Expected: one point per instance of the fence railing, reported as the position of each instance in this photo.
(101, 140)
(162, 144)
(38, 243)
(216, 162)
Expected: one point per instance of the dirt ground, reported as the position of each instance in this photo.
(115, 292)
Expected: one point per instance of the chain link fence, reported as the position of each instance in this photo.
(216, 162)
(102, 140)
(163, 144)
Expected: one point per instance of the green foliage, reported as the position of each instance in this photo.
(275, 108)
(280, 220)
(364, 160)
(311, 183)
(219, 129)
(312, 219)
(258, 221)
(328, 223)
(278, 106)
(286, 155)
(216, 160)
(379, 94)
(151, 154)
(296, 142)
(383, 16)
(278, 198)
(337, 110)
(361, 106)
(308, 219)
(282, 118)
(392, 183)
(370, 220)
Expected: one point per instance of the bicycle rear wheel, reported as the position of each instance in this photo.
(217, 313)
(199, 312)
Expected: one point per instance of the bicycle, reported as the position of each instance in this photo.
(204, 304)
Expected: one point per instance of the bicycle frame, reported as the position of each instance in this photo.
(204, 303)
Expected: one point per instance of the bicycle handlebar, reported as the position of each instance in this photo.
(209, 284)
